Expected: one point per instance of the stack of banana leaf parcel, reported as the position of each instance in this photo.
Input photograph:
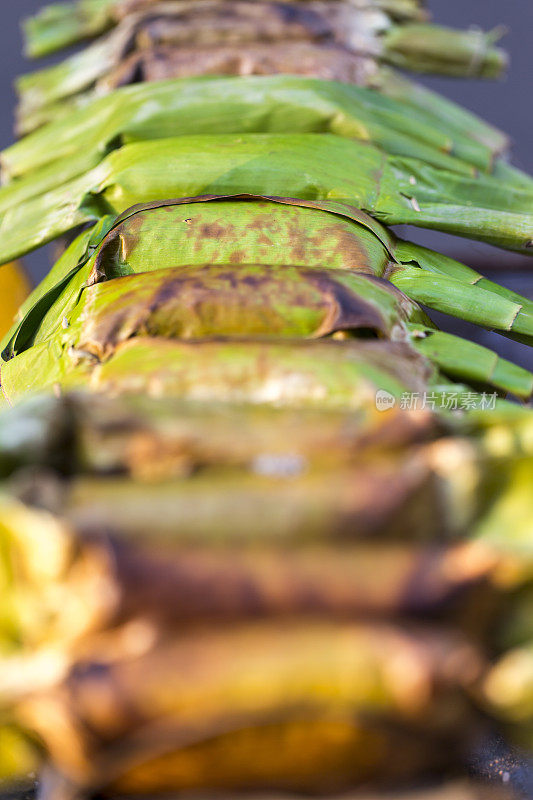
(265, 530)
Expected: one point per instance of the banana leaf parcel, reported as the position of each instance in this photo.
(232, 267)
(282, 104)
(331, 40)
(349, 41)
(315, 167)
(134, 684)
(62, 24)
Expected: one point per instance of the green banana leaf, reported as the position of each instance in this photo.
(302, 58)
(61, 24)
(472, 303)
(75, 74)
(393, 84)
(432, 48)
(25, 125)
(464, 360)
(305, 166)
(154, 64)
(277, 104)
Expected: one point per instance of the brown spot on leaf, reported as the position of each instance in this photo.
(213, 230)
(237, 257)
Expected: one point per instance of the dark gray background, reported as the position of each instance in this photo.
(507, 103)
